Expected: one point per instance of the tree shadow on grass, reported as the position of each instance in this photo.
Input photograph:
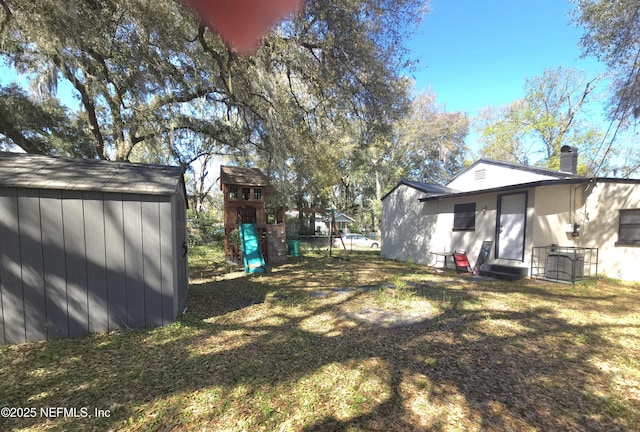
(212, 299)
(249, 356)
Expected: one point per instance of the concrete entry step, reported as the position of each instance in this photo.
(505, 272)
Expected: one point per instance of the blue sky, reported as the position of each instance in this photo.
(473, 54)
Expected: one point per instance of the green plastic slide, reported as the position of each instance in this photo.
(251, 255)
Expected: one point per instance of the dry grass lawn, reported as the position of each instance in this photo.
(321, 344)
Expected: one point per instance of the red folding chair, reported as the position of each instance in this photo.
(461, 261)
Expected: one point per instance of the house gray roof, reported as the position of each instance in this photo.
(514, 187)
(575, 180)
(533, 169)
(48, 172)
(428, 188)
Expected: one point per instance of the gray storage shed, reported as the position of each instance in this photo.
(89, 245)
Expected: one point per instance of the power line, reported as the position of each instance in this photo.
(615, 116)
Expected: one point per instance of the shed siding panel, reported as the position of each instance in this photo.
(114, 248)
(55, 286)
(94, 229)
(32, 264)
(175, 283)
(152, 256)
(134, 260)
(73, 262)
(10, 271)
(3, 234)
(166, 263)
(181, 257)
(76, 264)
(2, 340)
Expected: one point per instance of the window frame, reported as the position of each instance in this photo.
(246, 194)
(465, 212)
(233, 192)
(624, 240)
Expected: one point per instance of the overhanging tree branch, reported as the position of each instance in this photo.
(10, 131)
(87, 103)
(7, 16)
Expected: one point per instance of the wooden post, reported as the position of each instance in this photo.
(334, 229)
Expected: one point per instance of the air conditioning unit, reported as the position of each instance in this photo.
(565, 267)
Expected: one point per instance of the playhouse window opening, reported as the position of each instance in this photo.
(629, 228)
(257, 194)
(233, 192)
(246, 194)
(464, 217)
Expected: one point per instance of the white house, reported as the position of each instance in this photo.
(343, 221)
(323, 220)
(528, 213)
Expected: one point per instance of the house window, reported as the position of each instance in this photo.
(629, 228)
(464, 217)
(233, 192)
(246, 194)
(257, 194)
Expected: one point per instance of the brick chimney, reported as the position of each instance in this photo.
(569, 159)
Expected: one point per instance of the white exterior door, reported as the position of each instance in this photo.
(511, 223)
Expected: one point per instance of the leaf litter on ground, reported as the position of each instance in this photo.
(389, 346)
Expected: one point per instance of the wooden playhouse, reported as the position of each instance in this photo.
(245, 192)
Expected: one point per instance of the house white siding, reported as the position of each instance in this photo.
(556, 207)
(485, 228)
(600, 222)
(407, 230)
(555, 203)
(413, 230)
(597, 212)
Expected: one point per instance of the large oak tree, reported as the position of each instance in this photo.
(149, 73)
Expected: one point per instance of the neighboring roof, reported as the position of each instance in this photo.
(341, 217)
(539, 183)
(428, 188)
(242, 176)
(532, 169)
(48, 172)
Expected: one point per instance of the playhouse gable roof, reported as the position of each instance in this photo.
(48, 172)
(242, 176)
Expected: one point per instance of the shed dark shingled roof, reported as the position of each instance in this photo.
(48, 172)
(242, 176)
